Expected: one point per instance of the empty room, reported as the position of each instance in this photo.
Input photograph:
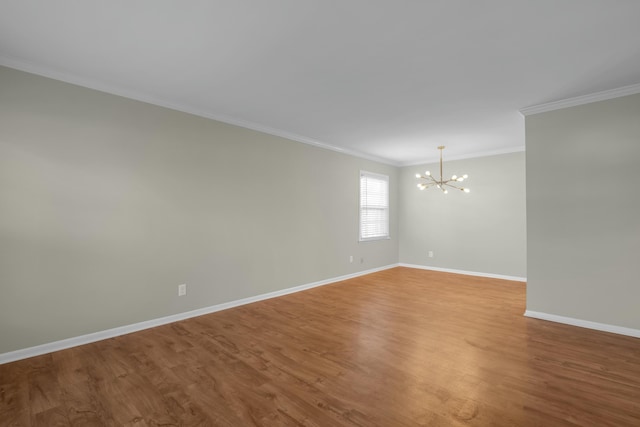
(319, 213)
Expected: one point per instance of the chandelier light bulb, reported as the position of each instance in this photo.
(465, 176)
(418, 175)
(466, 190)
(454, 177)
(427, 173)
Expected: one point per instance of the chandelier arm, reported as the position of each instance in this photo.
(429, 177)
(426, 186)
(424, 176)
(456, 187)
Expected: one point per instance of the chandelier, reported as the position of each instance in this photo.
(441, 183)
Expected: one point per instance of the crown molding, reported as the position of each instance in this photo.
(580, 100)
(475, 155)
(142, 97)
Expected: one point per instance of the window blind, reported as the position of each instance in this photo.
(374, 206)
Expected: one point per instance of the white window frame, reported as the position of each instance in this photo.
(381, 206)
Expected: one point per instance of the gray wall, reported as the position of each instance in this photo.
(483, 231)
(107, 204)
(583, 212)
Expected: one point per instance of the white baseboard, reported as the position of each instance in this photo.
(584, 323)
(127, 329)
(468, 273)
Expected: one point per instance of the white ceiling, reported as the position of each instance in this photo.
(388, 79)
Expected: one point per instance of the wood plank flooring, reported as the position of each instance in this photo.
(401, 347)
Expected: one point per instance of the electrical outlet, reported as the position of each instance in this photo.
(430, 254)
(351, 259)
(182, 290)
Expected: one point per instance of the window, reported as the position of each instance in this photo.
(374, 206)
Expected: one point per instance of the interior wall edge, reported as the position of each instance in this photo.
(51, 347)
(581, 100)
(70, 78)
(620, 330)
(465, 272)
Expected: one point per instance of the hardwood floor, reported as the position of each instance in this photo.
(401, 347)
